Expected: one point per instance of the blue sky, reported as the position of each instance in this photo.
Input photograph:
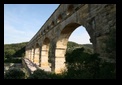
(22, 22)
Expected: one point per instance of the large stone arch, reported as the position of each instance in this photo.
(45, 53)
(61, 45)
(36, 54)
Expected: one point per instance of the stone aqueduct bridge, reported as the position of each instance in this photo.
(47, 48)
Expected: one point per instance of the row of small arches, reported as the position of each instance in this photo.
(70, 9)
(60, 17)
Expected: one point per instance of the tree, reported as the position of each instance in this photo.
(14, 74)
(82, 65)
(9, 53)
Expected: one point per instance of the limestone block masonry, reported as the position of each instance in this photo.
(47, 48)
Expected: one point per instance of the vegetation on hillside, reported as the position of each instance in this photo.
(11, 51)
(72, 46)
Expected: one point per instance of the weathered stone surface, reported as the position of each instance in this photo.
(53, 36)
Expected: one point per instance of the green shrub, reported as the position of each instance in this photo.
(39, 74)
(107, 71)
(16, 60)
(14, 74)
(13, 60)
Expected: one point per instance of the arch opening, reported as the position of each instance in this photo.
(59, 18)
(61, 46)
(70, 9)
(47, 29)
(44, 53)
(52, 24)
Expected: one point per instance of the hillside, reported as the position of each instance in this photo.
(18, 49)
(14, 50)
(72, 46)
